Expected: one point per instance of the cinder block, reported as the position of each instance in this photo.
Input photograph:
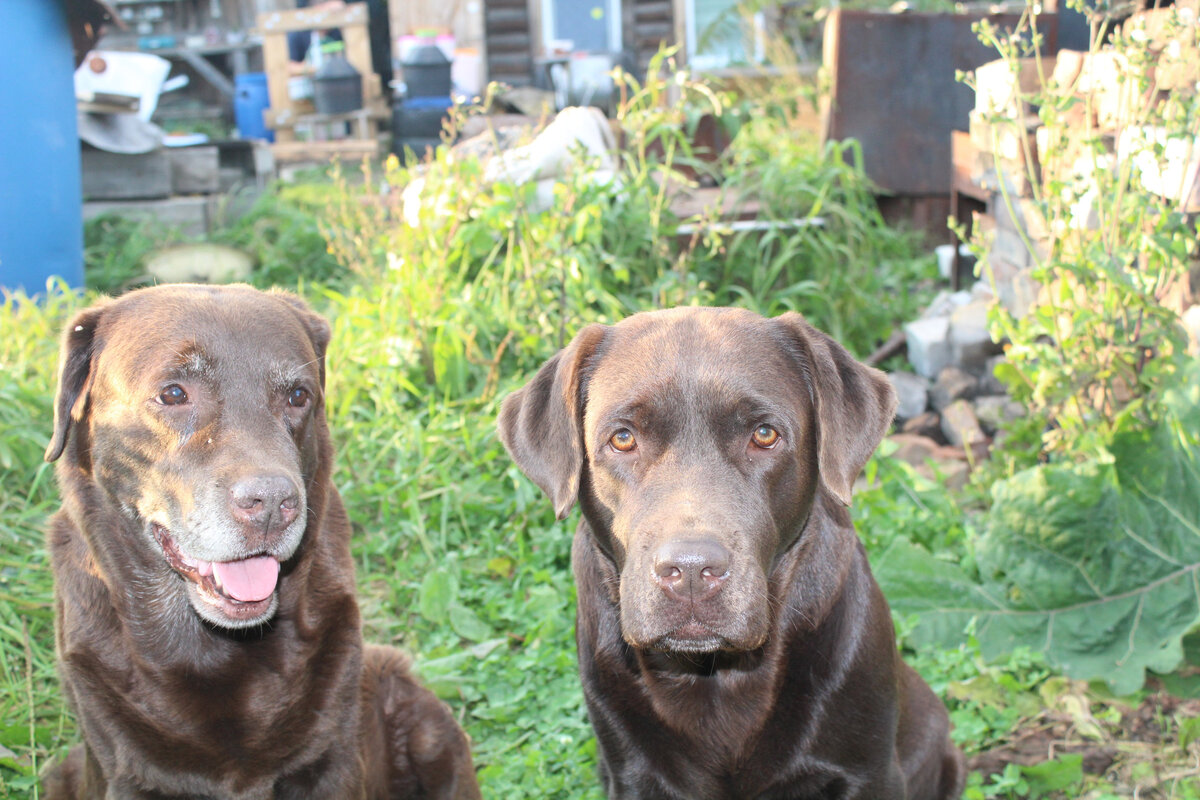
(928, 345)
(970, 343)
(912, 391)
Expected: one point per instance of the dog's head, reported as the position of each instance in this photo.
(696, 441)
(196, 413)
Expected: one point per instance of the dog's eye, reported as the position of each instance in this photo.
(765, 437)
(299, 397)
(623, 441)
(173, 395)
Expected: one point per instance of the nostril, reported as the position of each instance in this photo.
(692, 568)
(265, 499)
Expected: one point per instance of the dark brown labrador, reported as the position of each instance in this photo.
(209, 640)
(732, 641)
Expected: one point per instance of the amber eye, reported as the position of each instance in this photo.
(765, 437)
(173, 395)
(623, 441)
(299, 397)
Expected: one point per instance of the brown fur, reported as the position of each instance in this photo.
(177, 695)
(732, 641)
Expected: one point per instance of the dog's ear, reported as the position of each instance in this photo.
(78, 353)
(541, 424)
(854, 405)
(317, 326)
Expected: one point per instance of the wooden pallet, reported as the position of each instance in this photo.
(286, 114)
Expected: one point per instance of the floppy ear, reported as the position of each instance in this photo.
(75, 376)
(541, 424)
(317, 326)
(854, 405)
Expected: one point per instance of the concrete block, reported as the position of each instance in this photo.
(912, 392)
(970, 342)
(928, 345)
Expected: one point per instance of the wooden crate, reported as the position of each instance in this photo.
(285, 113)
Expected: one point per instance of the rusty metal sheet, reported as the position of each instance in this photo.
(893, 89)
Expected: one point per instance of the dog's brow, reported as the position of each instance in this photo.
(190, 361)
(284, 375)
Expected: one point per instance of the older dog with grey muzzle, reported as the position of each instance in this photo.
(209, 640)
(732, 641)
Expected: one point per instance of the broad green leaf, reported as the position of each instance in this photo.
(467, 624)
(1094, 564)
(1055, 775)
(439, 589)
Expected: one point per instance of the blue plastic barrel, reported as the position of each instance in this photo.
(250, 100)
(41, 195)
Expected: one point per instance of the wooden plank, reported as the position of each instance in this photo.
(303, 19)
(116, 176)
(358, 51)
(194, 170)
(275, 62)
(345, 149)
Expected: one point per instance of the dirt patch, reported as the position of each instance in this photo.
(1133, 751)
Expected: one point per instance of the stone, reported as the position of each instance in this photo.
(961, 426)
(944, 303)
(970, 342)
(928, 424)
(988, 382)
(1191, 321)
(913, 448)
(954, 474)
(995, 411)
(949, 465)
(928, 343)
(952, 384)
(912, 393)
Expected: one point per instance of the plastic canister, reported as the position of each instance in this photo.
(250, 100)
(337, 86)
(427, 72)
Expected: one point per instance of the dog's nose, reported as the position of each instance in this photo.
(267, 502)
(691, 569)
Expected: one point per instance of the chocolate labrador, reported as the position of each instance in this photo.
(732, 641)
(209, 640)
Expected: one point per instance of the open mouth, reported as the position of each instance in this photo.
(241, 592)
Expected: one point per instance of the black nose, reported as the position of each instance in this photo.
(266, 502)
(691, 569)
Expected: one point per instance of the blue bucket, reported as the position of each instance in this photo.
(250, 100)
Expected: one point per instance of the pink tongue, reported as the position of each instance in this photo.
(248, 580)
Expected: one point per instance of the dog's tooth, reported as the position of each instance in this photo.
(204, 568)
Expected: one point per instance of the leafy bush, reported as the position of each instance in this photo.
(1101, 338)
(1093, 563)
